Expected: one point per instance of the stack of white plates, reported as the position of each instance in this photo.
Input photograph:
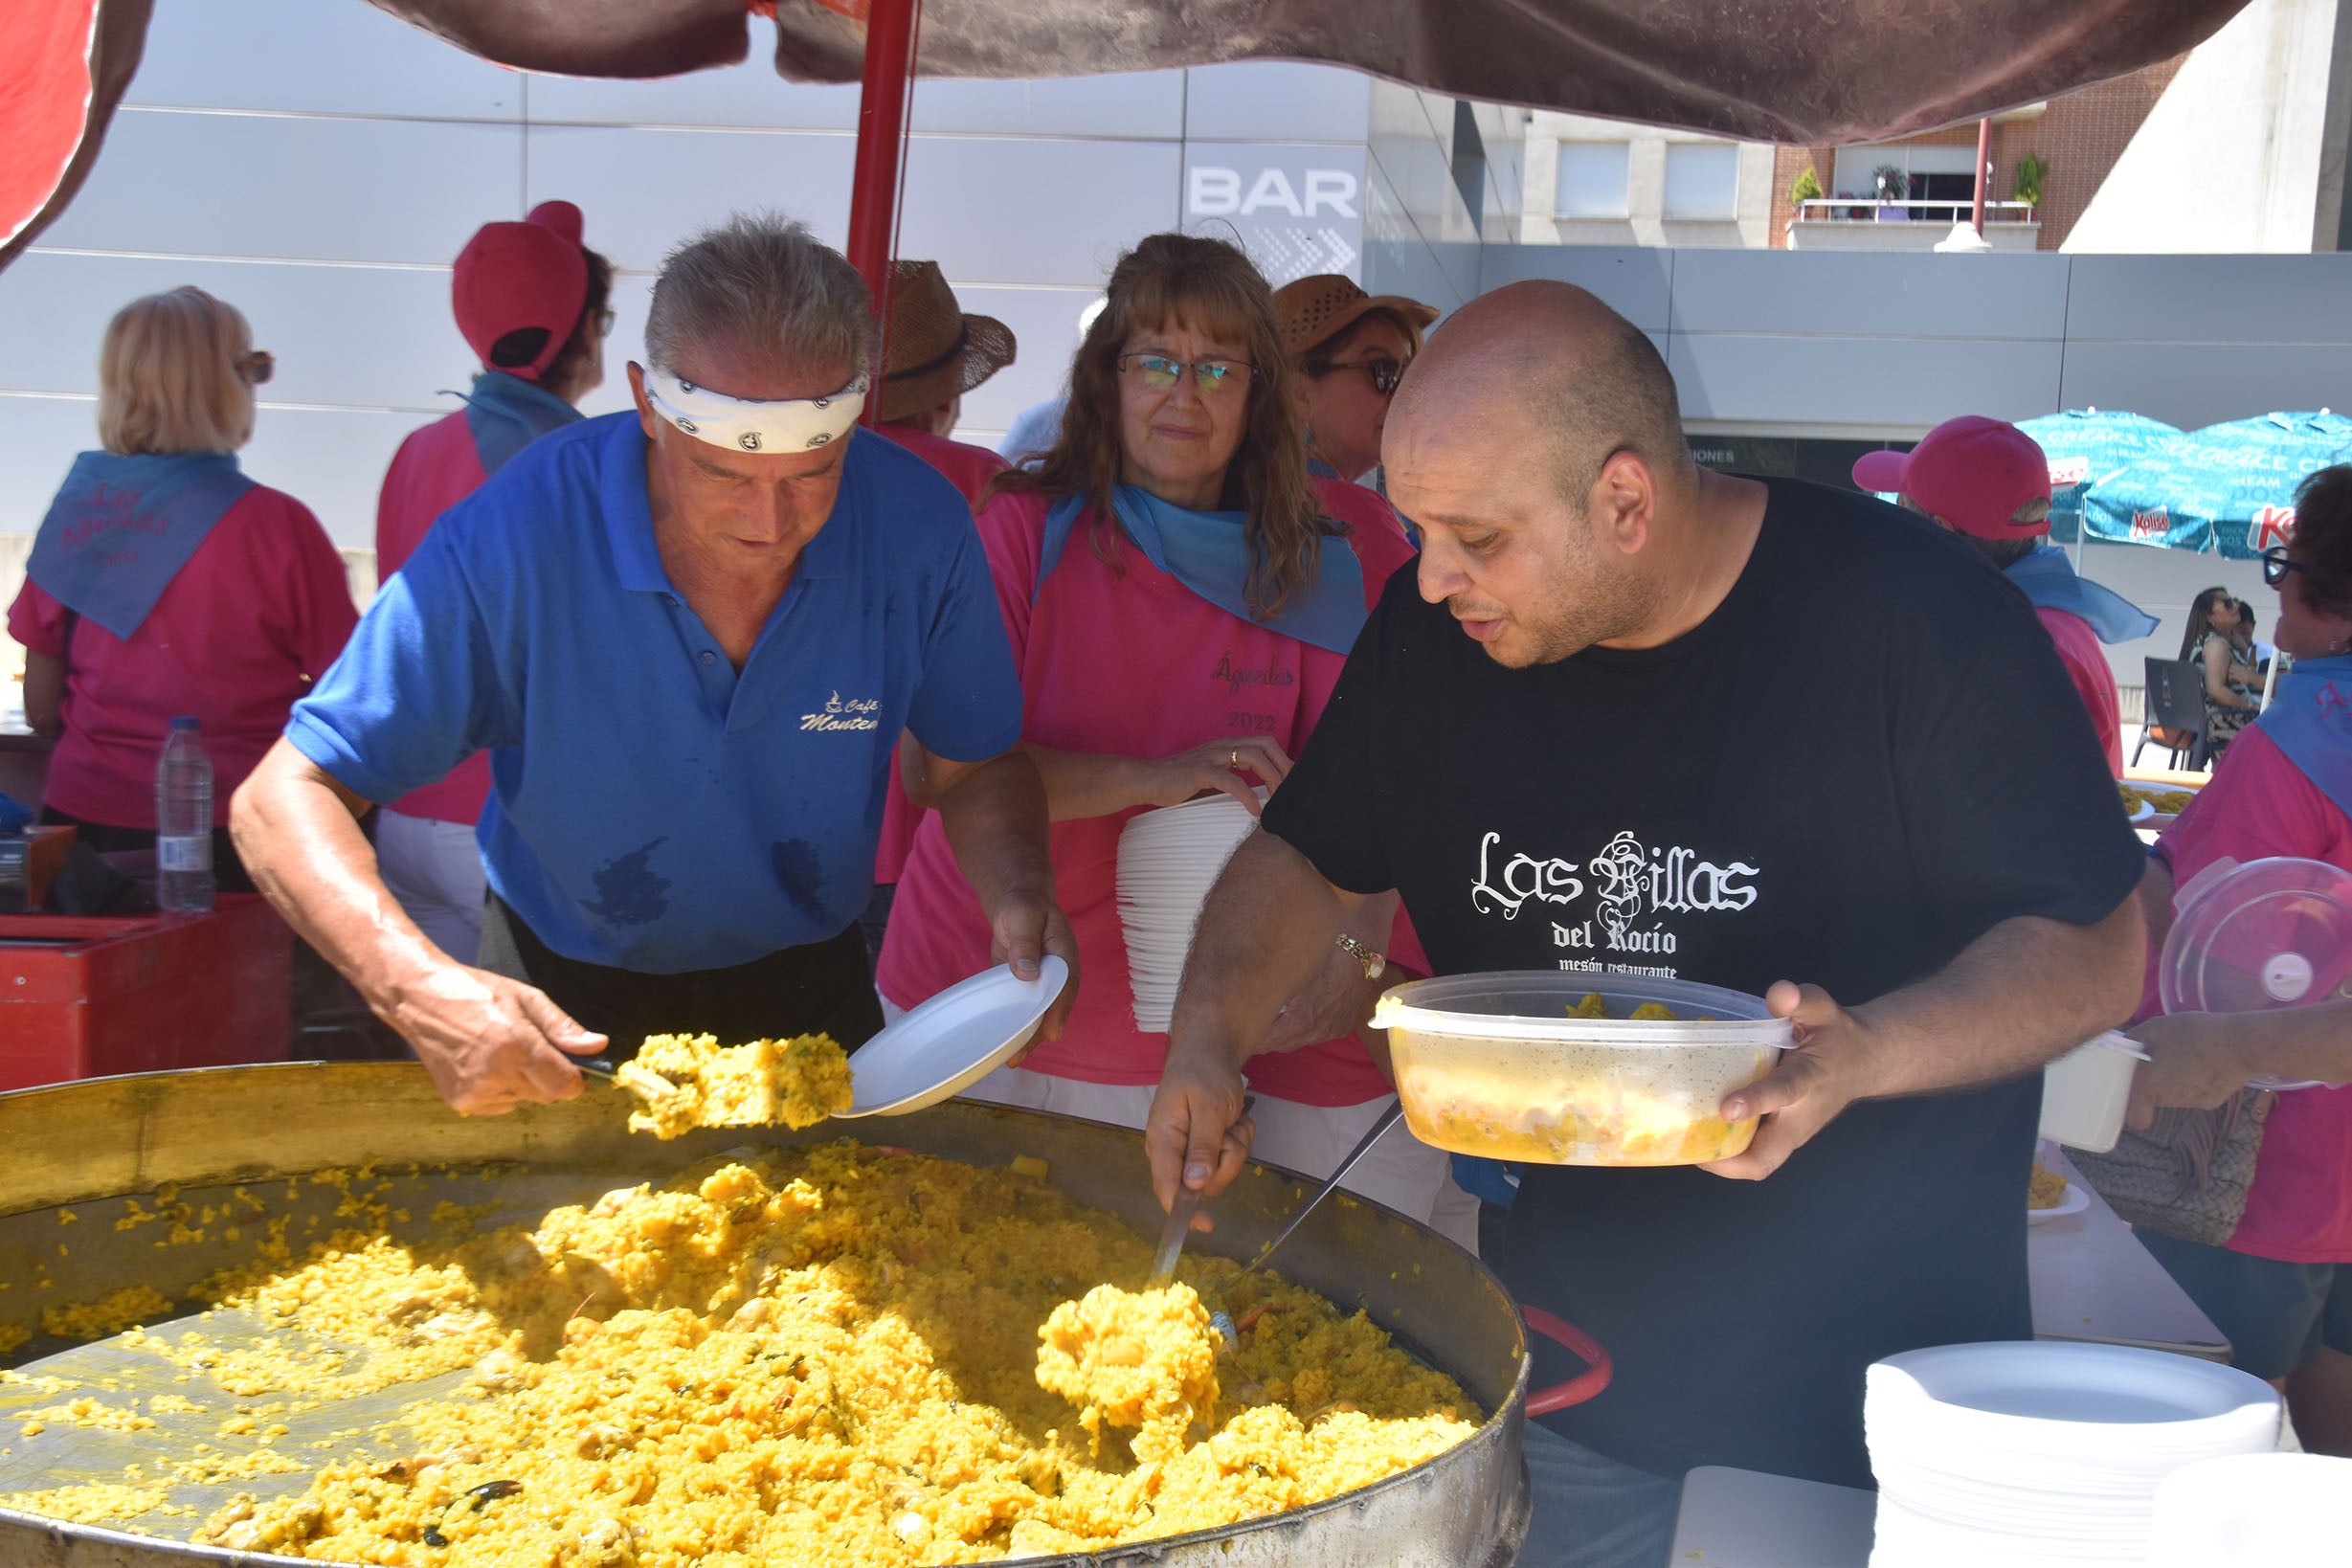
(2037, 1453)
(1168, 861)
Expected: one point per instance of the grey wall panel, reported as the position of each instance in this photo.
(1276, 101)
(341, 334)
(298, 189)
(1870, 294)
(1016, 210)
(1127, 106)
(333, 460)
(306, 56)
(1894, 386)
(1452, 264)
(748, 95)
(644, 191)
(2201, 384)
(1636, 282)
(2292, 300)
(38, 437)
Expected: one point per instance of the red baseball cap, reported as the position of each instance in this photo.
(1973, 473)
(511, 275)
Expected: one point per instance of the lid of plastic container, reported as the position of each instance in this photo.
(1535, 1004)
(2250, 939)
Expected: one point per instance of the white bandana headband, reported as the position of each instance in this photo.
(802, 425)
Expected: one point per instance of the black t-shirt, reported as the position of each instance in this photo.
(1863, 760)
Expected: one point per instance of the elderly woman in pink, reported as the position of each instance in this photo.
(1180, 596)
(2282, 1285)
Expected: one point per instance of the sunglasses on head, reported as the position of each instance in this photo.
(1159, 372)
(258, 366)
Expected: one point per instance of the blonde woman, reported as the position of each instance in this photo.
(165, 582)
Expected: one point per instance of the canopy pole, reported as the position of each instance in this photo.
(874, 181)
(1984, 159)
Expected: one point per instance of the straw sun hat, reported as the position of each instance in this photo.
(936, 351)
(1314, 309)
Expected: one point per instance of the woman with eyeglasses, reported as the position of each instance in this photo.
(1180, 596)
(531, 302)
(2280, 1285)
(2221, 638)
(1351, 349)
(164, 582)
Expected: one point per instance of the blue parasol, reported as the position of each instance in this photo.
(2085, 447)
(2228, 489)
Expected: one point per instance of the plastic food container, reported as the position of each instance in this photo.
(2258, 936)
(1496, 1064)
(2086, 1092)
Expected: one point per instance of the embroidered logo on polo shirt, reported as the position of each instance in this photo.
(857, 713)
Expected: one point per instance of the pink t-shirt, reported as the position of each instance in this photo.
(1132, 663)
(256, 614)
(436, 468)
(2086, 666)
(968, 468)
(2259, 803)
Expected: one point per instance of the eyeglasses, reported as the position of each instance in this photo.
(258, 366)
(1385, 373)
(604, 323)
(1213, 376)
(2275, 566)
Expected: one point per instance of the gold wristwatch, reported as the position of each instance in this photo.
(1374, 964)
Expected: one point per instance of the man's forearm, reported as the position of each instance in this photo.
(995, 817)
(296, 835)
(2020, 994)
(1268, 922)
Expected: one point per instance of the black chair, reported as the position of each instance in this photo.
(2172, 712)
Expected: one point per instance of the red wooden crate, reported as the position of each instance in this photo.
(91, 998)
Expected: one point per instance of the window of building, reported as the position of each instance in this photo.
(1592, 179)
(1702, 180)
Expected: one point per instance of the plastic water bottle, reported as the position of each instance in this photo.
(184, 823)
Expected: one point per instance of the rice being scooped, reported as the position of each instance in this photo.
(691, 1081)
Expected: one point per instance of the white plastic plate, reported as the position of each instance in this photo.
(951, 1041)
(2075, 1201)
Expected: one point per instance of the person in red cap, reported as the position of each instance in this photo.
(1989, 482)
(530, 301)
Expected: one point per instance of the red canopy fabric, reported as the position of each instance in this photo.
(1813, 72)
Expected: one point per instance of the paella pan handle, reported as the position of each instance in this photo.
(1598, 1368)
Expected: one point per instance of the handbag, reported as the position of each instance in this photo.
(2186, 1175)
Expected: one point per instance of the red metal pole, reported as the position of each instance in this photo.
(1985, 157)
(890, 28)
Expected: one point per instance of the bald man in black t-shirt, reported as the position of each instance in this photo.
(1844, 745)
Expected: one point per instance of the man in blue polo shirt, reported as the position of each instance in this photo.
(691, 638)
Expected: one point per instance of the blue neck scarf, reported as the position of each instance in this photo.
(506, 414)
(2310, 719)
(2050, 582)
(123, 527)
(1209, 553)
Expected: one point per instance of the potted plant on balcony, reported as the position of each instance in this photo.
(2032, 171)
(1805, 187)
(1893, 188)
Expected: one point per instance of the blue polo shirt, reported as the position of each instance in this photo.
(650, 808)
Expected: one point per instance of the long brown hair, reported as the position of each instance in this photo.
(2200, 619)
(1212, 285)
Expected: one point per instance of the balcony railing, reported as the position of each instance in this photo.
(1866, 209)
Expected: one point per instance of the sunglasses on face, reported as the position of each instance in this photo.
(2275, 566)
(1385, 373)
(1213, 376)
(258, 366)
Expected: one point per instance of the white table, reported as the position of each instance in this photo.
(2091, 1280)
(1746, 1520)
